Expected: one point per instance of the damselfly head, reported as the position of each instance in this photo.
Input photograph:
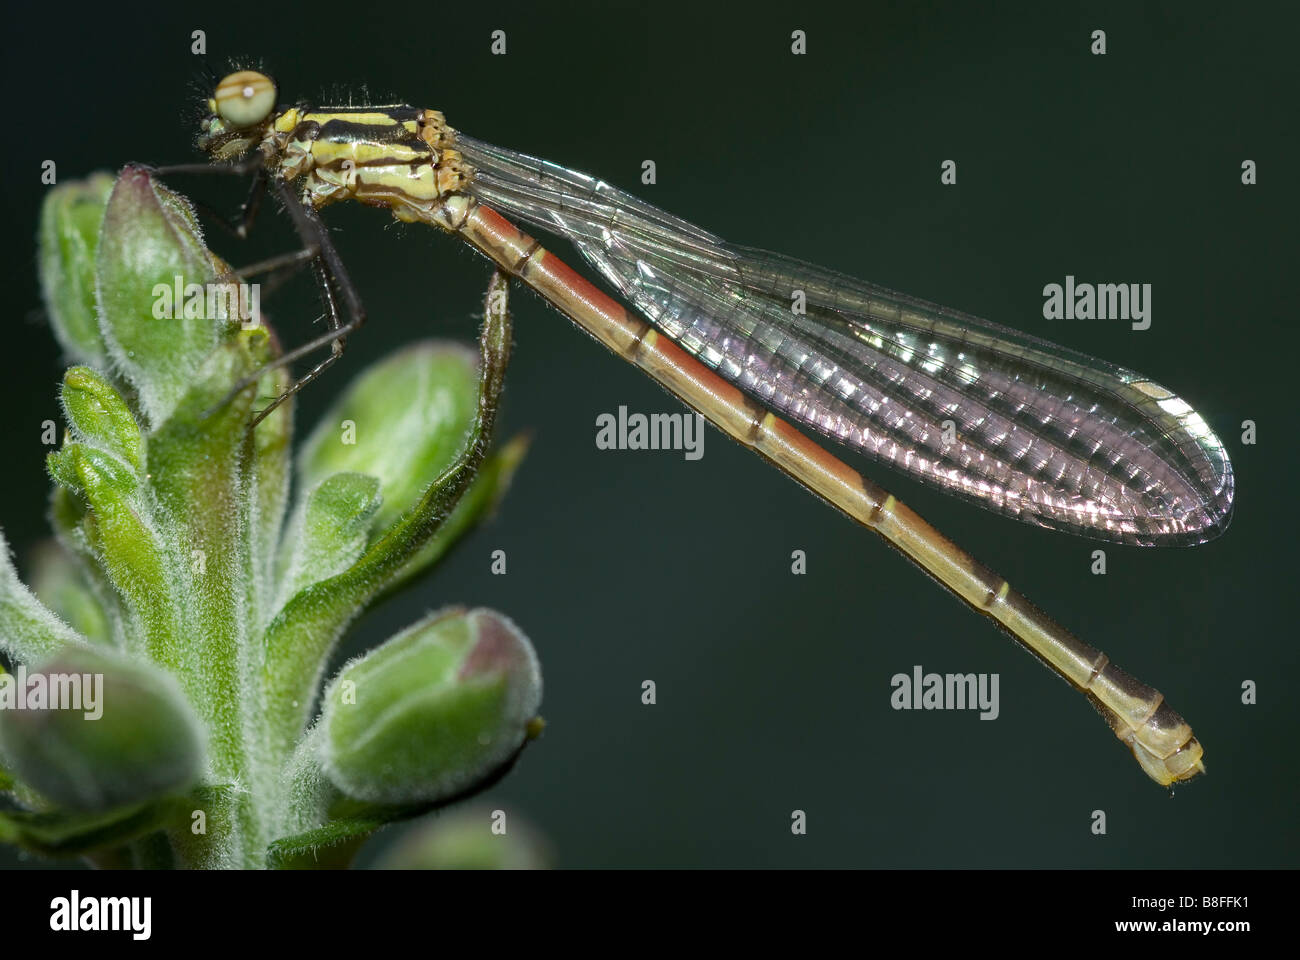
(238, 111)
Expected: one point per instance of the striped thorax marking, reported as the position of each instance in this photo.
(399, 157)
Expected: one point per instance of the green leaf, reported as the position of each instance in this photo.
(28, 630)
(62, 833)
(106, 732)
(480, 500)
(331, 529)
(432, 711)
(127, 546)
(67, 516)
(69, 239)
(149, 245)
(335, 842)
(332, 845)
(404, 420)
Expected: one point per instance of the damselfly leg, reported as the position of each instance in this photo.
(334, 284)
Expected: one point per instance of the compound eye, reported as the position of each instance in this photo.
(245, 99)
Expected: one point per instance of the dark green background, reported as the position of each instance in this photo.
(774, 689)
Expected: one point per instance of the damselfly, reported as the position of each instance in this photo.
(1010, 422)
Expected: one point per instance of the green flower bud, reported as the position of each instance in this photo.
(151, 249)
(404, 421)
(432, 712)
(69, 235)
(331, 531)
(94, 731)
(99, 415)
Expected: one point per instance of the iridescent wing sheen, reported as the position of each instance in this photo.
(1013, 423)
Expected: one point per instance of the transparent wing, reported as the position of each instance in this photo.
(1016, 424)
